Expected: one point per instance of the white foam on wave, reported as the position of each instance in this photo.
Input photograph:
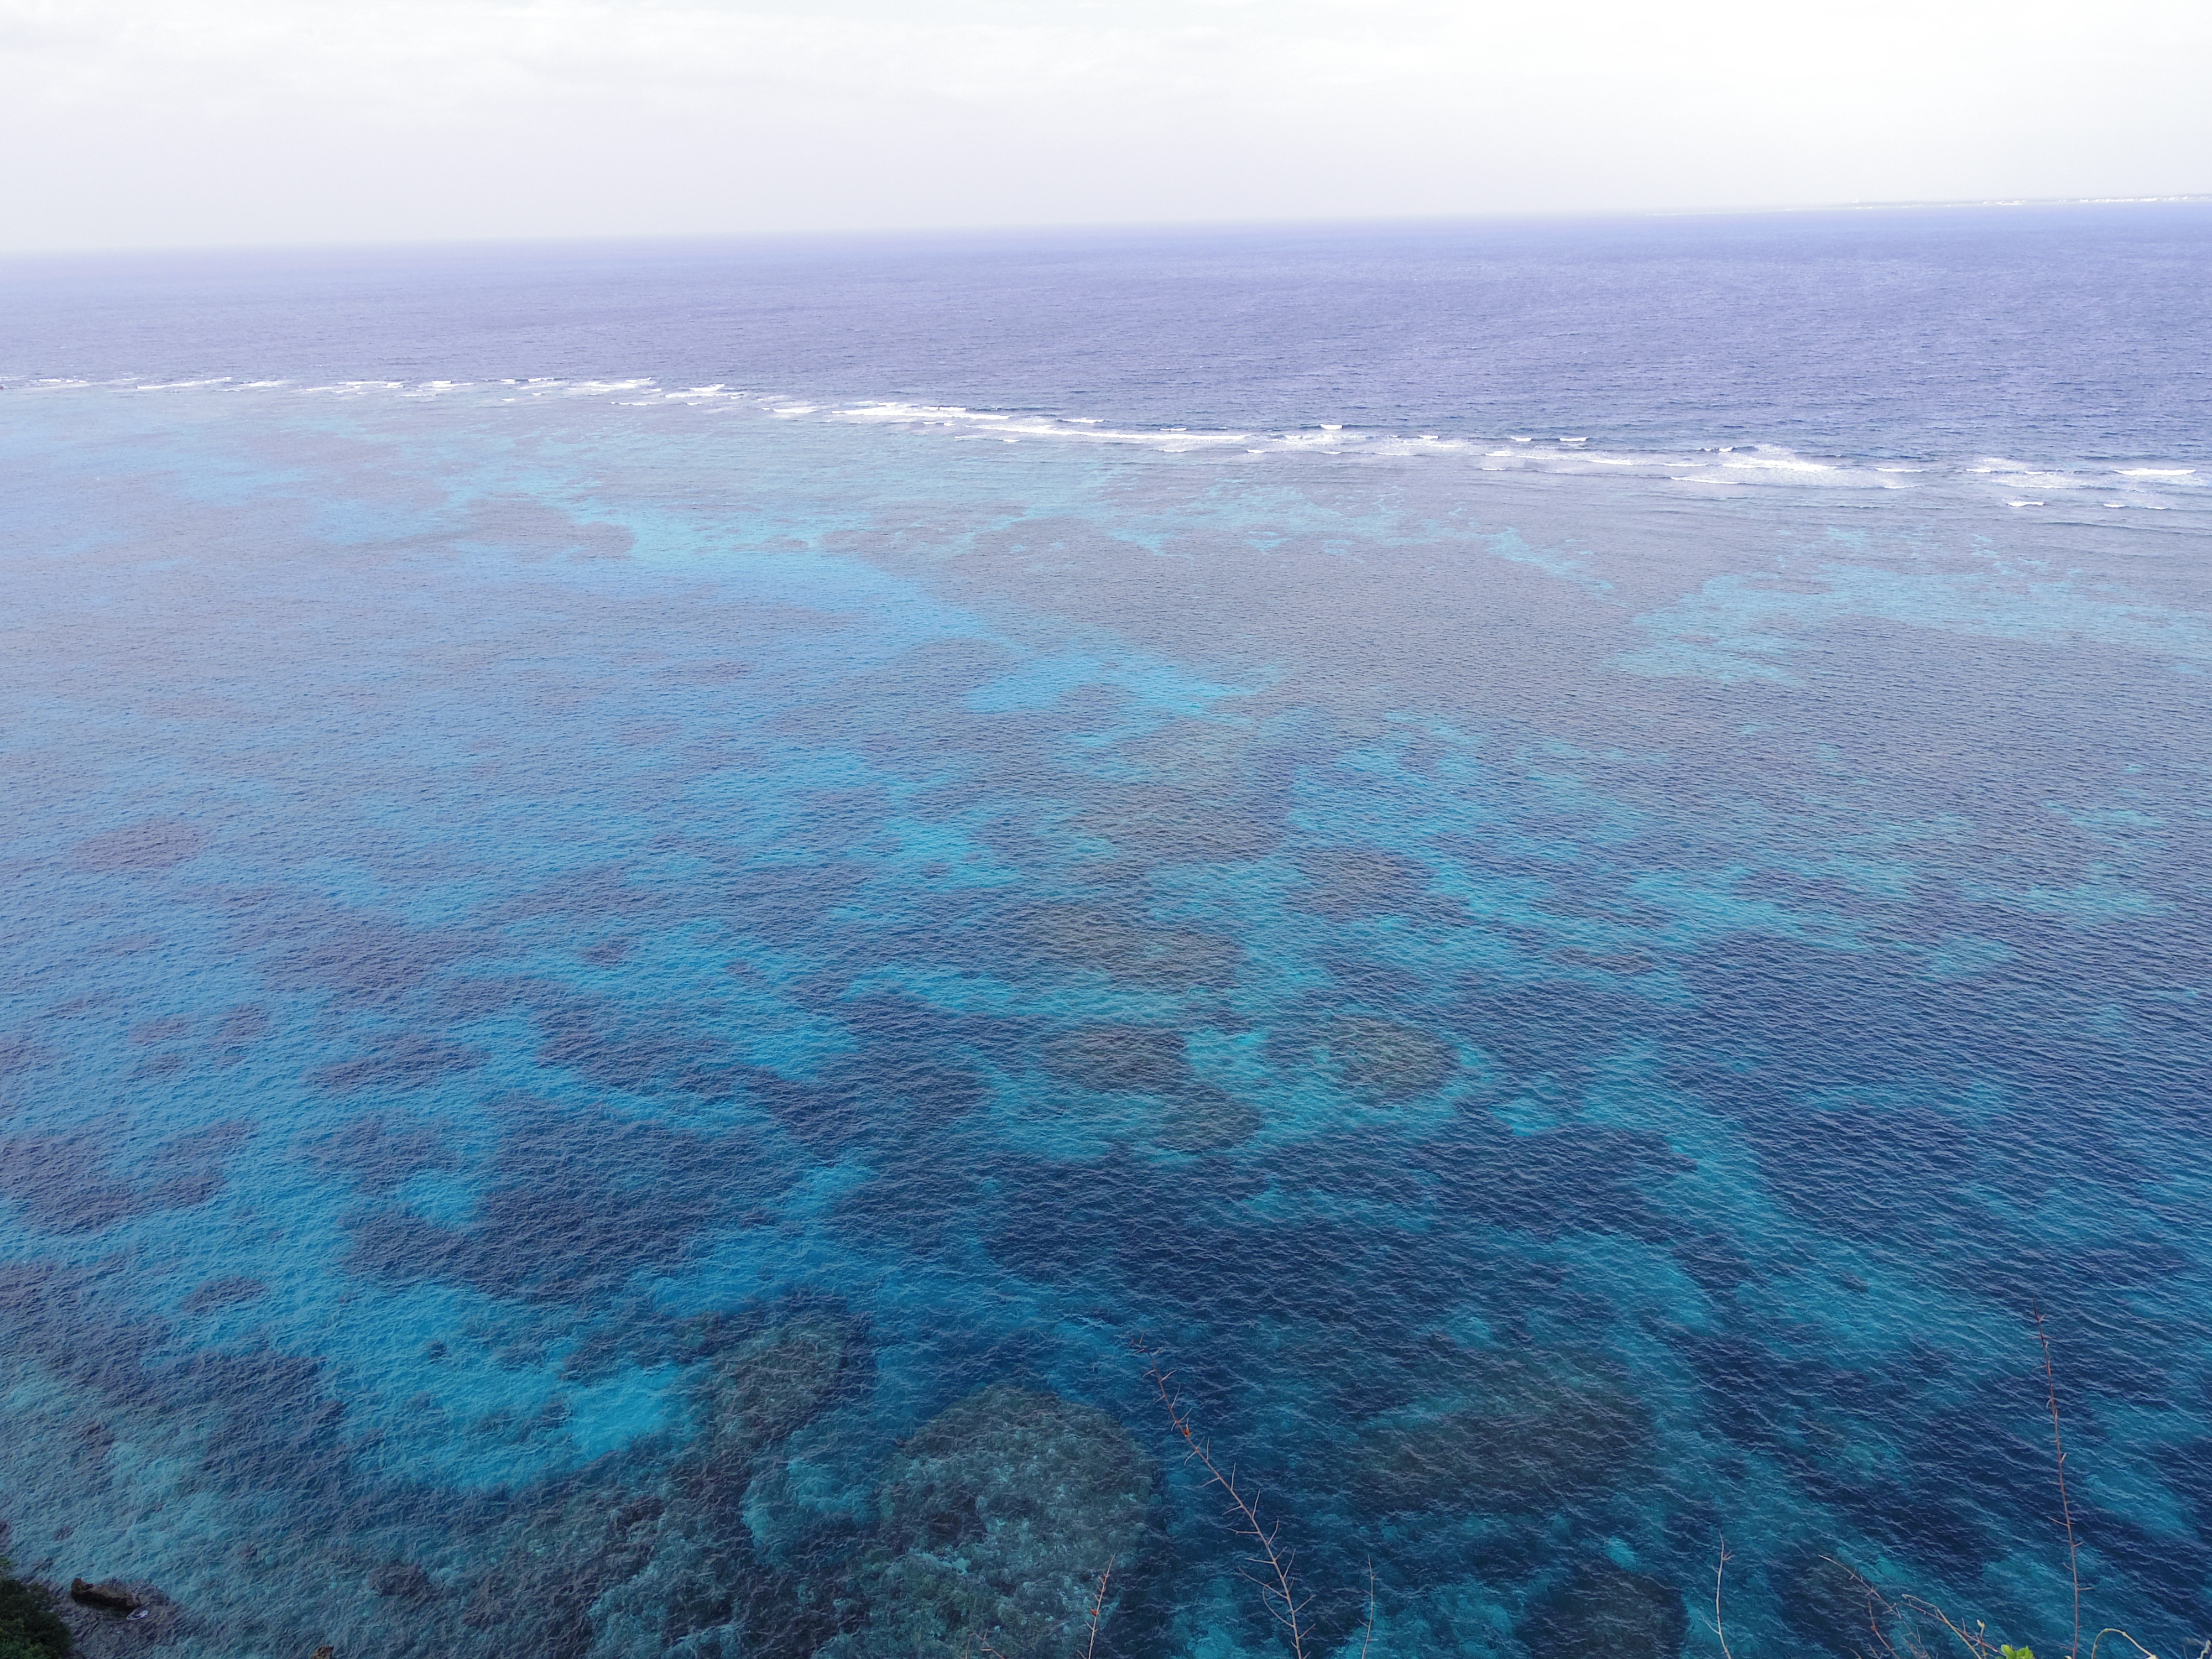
(1783, 462)
(352, 388)
(1735, 468)
(977, 423)
(1382, 444)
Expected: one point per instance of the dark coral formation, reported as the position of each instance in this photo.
(224, 1291)
(773, 1385)
(1384, 1061)
(1147, 1060)
(1143, 1058)
(152, 845)
(1207, 1120)
(1829, 1606)
(1517, 1436)
(1351, 882)
(1069, 938)
(409, 1060)
(1607, 1609)
(82, 1181)
(999, 1519)
(754, 1534)
(566, 1217)
(606, 1568)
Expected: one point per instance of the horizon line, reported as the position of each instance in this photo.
(1076, 227)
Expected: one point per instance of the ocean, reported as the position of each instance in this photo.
(674, 913)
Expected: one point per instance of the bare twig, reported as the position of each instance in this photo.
(1976, 1641)
(1279, 1591)
(1880, 1607)
(1367, 1640)
(2065, 1509)
(2114, 1630)
(1719, 1629)
(1098, 1610)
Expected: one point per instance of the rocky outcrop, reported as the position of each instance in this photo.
(110, 1597)
(116, 1617)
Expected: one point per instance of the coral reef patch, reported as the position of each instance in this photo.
(998, 1518)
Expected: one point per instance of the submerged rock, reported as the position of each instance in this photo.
(1607, 1610)
(110, 1597)
(998, 1518)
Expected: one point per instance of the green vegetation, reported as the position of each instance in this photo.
(28, 1626)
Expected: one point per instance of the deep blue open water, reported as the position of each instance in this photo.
(656, 899)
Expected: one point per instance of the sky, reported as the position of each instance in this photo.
(181, 123)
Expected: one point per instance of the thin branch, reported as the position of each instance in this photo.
(1098, 1609)
(1367, 1640)
(1976, 1641)
(1278, 1591)
(2114, 1630)
(2065, 1509)
(1878, 1609)
(1719, 1629)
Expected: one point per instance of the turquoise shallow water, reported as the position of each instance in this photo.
(1582, 994)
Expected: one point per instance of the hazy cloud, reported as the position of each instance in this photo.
(125, 122)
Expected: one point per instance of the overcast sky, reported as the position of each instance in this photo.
(133, 122)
